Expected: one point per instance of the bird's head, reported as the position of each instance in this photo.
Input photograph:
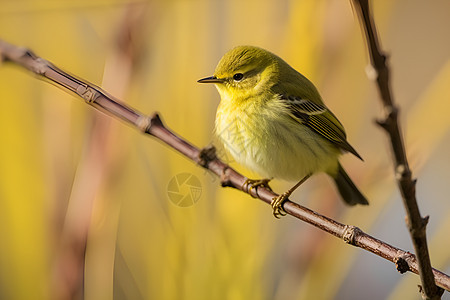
(243, 72)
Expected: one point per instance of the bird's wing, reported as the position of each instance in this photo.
(320, 119)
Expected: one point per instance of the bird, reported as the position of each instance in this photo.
(272, 120)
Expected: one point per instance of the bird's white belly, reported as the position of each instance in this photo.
(274, 149)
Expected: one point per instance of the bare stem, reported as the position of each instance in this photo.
(206, 158)
(407, 185)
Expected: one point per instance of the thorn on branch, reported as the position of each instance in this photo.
(145, 123)
(156, 121)
(29, 53)
(148, 126)
(425, 221)
(390, 116)
(382, 123)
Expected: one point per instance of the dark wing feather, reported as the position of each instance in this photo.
(321, 120)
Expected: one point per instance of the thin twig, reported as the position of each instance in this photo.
(69, 261)
(407, 185)
(206, 158)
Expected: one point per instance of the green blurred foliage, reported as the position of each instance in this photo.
(60, 180)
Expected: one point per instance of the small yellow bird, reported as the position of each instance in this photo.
(272, 120)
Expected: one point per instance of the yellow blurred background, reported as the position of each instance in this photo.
(87, 203)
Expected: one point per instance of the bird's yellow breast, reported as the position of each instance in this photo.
(261, 135)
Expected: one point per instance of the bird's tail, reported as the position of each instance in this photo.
(349, 192)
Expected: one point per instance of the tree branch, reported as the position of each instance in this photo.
(407, 185)
(206, 158)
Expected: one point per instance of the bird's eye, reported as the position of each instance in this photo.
(238, 76)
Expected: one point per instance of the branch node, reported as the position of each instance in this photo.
(29, 53)
(39, 66)
(382, 123)
(143, 123)
(350, 234)
(207, 155)
(401, 172)
(225, 180)
(439, 292)
(390, 117)
(401, 264)
(391, 111)
(425, 221)
(156, 120)
(371, 72)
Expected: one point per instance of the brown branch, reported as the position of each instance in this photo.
(206, 158)
(407, 185)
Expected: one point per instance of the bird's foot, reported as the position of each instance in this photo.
(277, 205)
(251, 184)
(278, 202)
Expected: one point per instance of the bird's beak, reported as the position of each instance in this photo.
(212, 79)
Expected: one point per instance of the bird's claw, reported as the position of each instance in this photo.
(277, 205)
(251, 184)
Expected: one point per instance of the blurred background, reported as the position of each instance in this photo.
(89, 207)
